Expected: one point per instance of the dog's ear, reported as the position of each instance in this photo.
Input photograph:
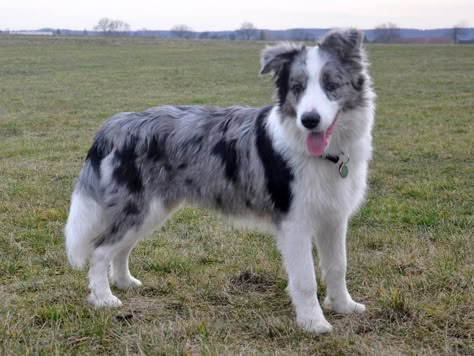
(273, 58)
(343, 43)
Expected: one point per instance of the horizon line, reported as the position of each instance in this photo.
(256, 28)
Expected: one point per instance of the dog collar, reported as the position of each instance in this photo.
(342, 160)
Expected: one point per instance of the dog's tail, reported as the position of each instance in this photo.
(86, 215)
(85, 222)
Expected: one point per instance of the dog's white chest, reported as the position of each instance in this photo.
(320, 189)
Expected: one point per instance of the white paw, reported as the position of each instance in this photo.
(317, 326)
(110, 301)
(125, 283)
(347, 307)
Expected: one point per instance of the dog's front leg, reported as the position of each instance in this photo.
(294, 242)
(331, 244)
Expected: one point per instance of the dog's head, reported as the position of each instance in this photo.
(315, 84)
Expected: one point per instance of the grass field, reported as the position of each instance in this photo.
(208, 288)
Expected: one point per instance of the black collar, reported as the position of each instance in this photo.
(333, 159)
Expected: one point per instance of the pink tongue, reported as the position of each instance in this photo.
(316, 143)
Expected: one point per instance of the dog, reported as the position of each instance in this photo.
(299, 167)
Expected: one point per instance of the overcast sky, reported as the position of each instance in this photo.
(214, 15)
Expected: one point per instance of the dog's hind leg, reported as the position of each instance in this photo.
(119, 272)
(114, 243)
(113, 250)
(111, 256)
(101, 295)
(331, 244)
(120, 275)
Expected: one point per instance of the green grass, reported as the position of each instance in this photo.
(209, 288)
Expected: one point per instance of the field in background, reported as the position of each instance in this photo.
(209, 288)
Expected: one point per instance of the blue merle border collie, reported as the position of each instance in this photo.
(298, 167)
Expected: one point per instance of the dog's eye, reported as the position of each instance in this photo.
(331, 86)
(297, 88)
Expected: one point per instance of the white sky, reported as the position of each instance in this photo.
(214, 15)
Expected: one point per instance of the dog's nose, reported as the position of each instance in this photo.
(310, 119)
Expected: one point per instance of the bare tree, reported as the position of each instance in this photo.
(247, 31)
(458, 31)
(110, 27)
(182, 31)
(387, 33)
(102, 26)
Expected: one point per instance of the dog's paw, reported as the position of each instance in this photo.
(347, 307)
(317, 326)
(130, 282)
(110, 301)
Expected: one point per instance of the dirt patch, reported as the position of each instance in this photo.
(250, 281)
(129, 317)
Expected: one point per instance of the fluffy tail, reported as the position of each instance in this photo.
(85, 222)
(86, 216)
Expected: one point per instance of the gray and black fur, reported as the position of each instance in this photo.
(212, 157)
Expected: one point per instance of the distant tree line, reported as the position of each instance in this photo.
(384, 33)
(390, 33)
(247, 31)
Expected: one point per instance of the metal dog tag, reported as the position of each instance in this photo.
(343, 169)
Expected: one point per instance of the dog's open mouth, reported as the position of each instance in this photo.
(316, 142)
